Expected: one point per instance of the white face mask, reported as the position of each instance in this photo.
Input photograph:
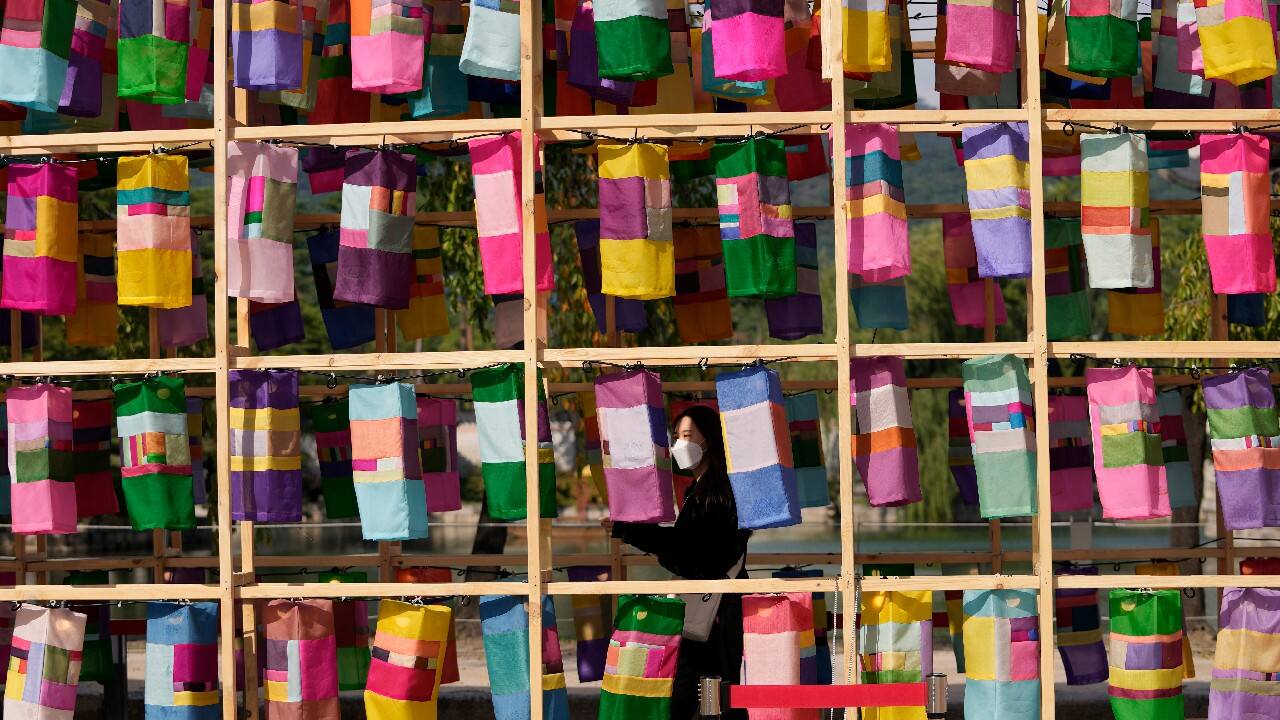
(686, 454)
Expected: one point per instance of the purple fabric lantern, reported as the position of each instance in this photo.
(275, 325)
(628, 315)
(266, 464)
(799, 315)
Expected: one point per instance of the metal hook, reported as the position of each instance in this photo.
(333, 381)
(1068, 129)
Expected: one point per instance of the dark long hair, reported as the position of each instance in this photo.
(714, 485)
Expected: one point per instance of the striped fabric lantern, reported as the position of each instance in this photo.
(449, 664)
(997, 395)
(41, 460)
(775, 630)
(633, 41)
(375, 253)
(266, 461)
(1237, 40)
(584, 61)
(336, 100)
(1001, 654)
(1171, 569)
(262, 187)
(875, 203)
(266, 44)
(965, 288)
(315, 19)
(1190, 55)
(300, 678)
(749, 43)
(641, 664)
(1245, 659)
(1127, 459)
(153, 230)
(427, 315)
(387, 39)
(153, 51)
(331, 422)
(347, 324)
(91, 445)
(1146, 654)
(195, 441)
(499, 408)
(491, 48)
(1066, 292)
(155, 453)
(408, 653)
(758, 447)
(879, 305)
(628, 315)
(35, 46)
(702, 299)
(274, 325)
(982, 35)
(40, 235)
(806, 449)
(438, 453)
(1114, 213)
(995, 168)
(815, 661)
(710, 88)
(94, 323)
(1078, 631)
(894, 86)
(866, 36)
(755, 218)
(1245, 440)
(351, 630)
(504, 622)
(384, 462)
(1177, 83)
(884, 446)
(896, 644)
(1140, 311)
(959, 450)
(1235, 187)
(185, 326)
(182, 661)
(1070, 454)
(636, 451)
(45, 655)
(592, 616)
(800, 315)
(1173, 443)
(496, 170)
(1102, 39)
(637, 257)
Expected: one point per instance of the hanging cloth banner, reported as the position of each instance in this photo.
(497, 393)
(427, 315)
(351, 630)
(584, 61)
(504, 622)
(982, 35)
(1245, 440)
(755, 218)
(633, 40)
(153, 51)
(637, 256)
(262, 188)
(636, 452)
(348, 325)
(153, 231)
(1078, 631)
(1146, 654)
(438, 453)
(266, 460)
(155, 453)
(1237, 40)
(408, 652)
(182, 661)
(91, 447)
(592, 617)
(959, 450)
(496, 170)
(895, 87)
(875, 203)
(641, 666)
(1169, 569)
(866, 36)
(710, 87)
(999, 191)
(951, 78)
(1114, 210)
(40, 239)
(776, 631)
(384, 462)
(1127, 459)
(1001, 654)
(195, 443)
(592, 448)
(186, 326)
(1235, 191)
(275, 325)
(896, 645)
(1140, 311)
(628, 315)
(1177, 82)
(1173, 442)
(375, 253)
(35, 47)
(41, 460)
(997, 395)
(749, 42)
(336, 100)
(300, 678)
(444, 86)
(302, 97)
(965, 287)
(45, 656)
(815, 662)
(94, 323)
(884, 446)
(806, 449)
(491, 48)
(1102, 39)
(331, 423)
(1066, 291)
(1070, 454)
(758, 448)
(266, 44)
(702, 300)
(1246, 657)
(387, 39)
(448, 667)
(800, 315)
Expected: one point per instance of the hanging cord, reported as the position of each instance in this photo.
(1195, 370)
(88, 379)
(49, 159)
(452, 143)
(702, 364)
(696, 139)
(380, 379)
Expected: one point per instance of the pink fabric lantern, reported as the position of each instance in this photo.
(967, 291)
(1128, 457)
(438, 453)
(1235, 190)
(41, 465)
(1070, 454)
(879, 248)
(749, 41)
(495, 167)
(40, 234)
(633, 435)
(884, 448)
(262, 184)
(982, 35)
(387, 42)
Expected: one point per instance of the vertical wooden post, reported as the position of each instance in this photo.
(1220, 329)
(989, 290)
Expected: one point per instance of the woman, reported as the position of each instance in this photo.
(704, 544)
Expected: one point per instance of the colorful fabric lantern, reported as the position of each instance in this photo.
(504, 621)
(274, 325)
(637, 257)
(155, 453)
(347, 324)
(1245, 659)
(775, 630)
(1177, 82)
(1146, 654)
(384, 462)
(815, 661)
(1114, 214)
(492, 45)
(865, 30)
(702, 300)
(266, 44)
(336, 100)
(35, 46)
(1066, 292)
(1078, 631)
(1235, 190)
(94, 323)
(499, 408)
(262, 187)
(806, 449)
(1190, 55)
(408, 653)
(185, 326)
(153, 51)
(879, 305)
(758, 447)
(884, 446)
(449, 664)
(875, 203)
(438, 453)
(896, 644)
(592, 616)
(1243, 432)
(351, 630)
(895, 86)
(1001, 654)
(710, 87)
(300, 679)
(496, 170)
(153, 230)
(427, 315)
(1139, 311)
(982, 35)
(41, 459)
(266, 461)
(637, 456)
(444, 86)
(995, 168)
(965, 288)
(40, 235)
(953, 78)
(800, 315)
(584, 61)
(755, 218)
(628, 315)
(387, 39)
(315, 19)
(1128, 459)
(997, 395)
(1173, 443)
(331, 423)
(641, 665)
(1070, 454)
(1103, 40)
(91, 445)
(325, 167)
(45, 656)
(633, 41)
(1237, 40)
(749, 41)
(195, 441)
(182, 661)
(1171, 569)
(959, 450)
(375, 253)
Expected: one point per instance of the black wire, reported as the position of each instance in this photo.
(451, 142)
(1193, 369)
(697, 139)
(158, 150)
(703, 364)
